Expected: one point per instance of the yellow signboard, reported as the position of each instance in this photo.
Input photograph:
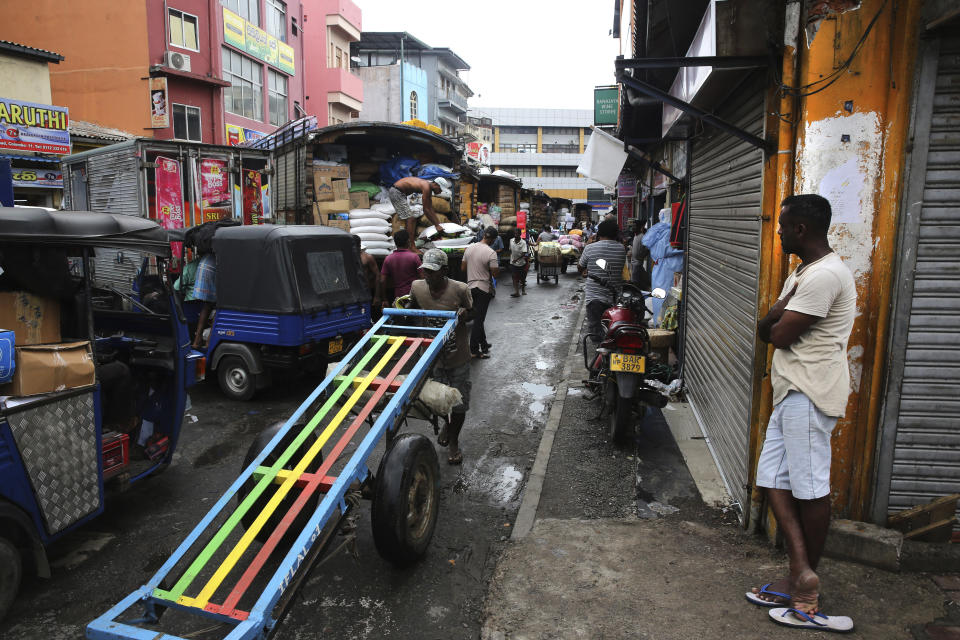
(258, 43)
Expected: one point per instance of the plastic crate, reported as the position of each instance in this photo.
(116, 453)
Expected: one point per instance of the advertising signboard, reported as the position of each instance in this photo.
(624, 211)
(214, 189)
(169, 193)
(606, 105)
(248, 37)
(42, 178)
(27, 126)
(236, 135)
(252, 198)
(159, 111)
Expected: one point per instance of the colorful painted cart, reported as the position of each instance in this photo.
(243, 562)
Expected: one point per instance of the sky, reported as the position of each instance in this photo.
(522, 53)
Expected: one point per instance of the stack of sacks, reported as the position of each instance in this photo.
(453, 236)
(373, 228)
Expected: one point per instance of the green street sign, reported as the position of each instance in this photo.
(606, 105)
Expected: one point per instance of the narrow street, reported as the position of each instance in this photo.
(353, 593)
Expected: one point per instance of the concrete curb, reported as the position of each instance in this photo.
(531, 492)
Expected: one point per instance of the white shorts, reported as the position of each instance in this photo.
(796, 452)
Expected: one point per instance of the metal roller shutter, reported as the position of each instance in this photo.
(924, 393)
(113, 185)
(721, 288)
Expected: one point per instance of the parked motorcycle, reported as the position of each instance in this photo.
(618, 366)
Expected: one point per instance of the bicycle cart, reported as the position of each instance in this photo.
(247, 557)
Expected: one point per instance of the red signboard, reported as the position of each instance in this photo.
(252, 198)
(624, 211)
(214, 189)
(169, 193)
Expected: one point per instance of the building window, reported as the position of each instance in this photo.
(245, 96)
(277, 19)
(561, 148)
(518, 129)
(521, 171)
(338, 58)
(183, 30)
(277, 96)
(559, 172)
(186, 122)
(518, 148)
(413, 105)
(561, 131)
(249, 10)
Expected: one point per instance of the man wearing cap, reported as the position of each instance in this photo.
(482, 265)
(407, 186)
(438, 292)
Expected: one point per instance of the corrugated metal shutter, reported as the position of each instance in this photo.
(721, 288)
(290, 168)
(113, 187)
(926, 457)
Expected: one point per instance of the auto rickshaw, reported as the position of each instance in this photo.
(287, 298)
(63, 442)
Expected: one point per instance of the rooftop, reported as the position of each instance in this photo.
(82, 129)
(30, 52)
(390, 41)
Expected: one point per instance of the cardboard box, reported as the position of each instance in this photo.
(359, 200)
(33, 319)
(334, 172)
(334, 206)
(44, 368)
(322, 189)
(339, 224)
(341, 190)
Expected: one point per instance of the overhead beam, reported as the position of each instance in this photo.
(721, 62)
(696, 112)
(645, 157)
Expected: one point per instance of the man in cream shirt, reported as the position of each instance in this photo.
(809, 326)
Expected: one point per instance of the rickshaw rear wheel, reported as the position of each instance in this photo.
(236, 380)
(11, 572)
(406, 499)
(259, 444)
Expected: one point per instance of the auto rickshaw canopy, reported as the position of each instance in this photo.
(287, 269)
(35, 225)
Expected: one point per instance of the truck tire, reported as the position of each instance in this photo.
(406, 499)
(236, 380)
(258, 445)
(11, 572)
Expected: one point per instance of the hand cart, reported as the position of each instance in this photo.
(295, 491)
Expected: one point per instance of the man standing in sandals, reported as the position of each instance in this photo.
(438, 292)
(809, 326)
(398, 197)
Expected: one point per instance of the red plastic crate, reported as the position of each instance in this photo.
(116, 453)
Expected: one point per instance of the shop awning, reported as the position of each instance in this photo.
(10, 156)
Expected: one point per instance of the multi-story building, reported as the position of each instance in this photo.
(544, 147)
(405, 79)
(201, 70)
(334, 92)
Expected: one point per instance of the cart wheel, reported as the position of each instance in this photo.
(236, 380)
(258, 445)
(11, 571)
(406, 499)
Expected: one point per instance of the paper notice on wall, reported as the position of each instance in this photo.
(169, 193)
(842, 187)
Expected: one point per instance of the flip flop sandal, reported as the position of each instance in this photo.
(455, 460)
(765, 590)
(797, 619)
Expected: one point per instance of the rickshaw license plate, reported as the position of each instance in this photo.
(335, 345)
(624, 362)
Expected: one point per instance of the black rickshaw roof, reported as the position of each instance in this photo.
(36, 225)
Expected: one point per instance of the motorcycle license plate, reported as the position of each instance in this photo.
(334, 346)
(624, 362)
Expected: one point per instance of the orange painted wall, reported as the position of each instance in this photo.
(104, 43)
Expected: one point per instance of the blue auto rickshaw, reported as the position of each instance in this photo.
(288, 298)
(59, 450)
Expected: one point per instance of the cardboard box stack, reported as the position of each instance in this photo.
(330, 192)
(42, 363)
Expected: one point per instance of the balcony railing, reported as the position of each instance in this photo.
(452, 100)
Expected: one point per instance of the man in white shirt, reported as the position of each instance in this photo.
(809, 326)
(481, 265)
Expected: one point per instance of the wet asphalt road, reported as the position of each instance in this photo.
(353, 593)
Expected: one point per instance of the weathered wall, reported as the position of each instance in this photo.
(22, 79)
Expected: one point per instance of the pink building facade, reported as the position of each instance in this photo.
(333, 93)
(233, 69)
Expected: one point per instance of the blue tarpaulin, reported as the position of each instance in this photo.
(666, 261)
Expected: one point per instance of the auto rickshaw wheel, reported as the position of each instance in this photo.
(11, 572)
(406, 499)
(236, 380)
(258, 445)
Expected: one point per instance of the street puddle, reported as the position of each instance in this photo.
(541, 365)
(500, 482)
(540, 393)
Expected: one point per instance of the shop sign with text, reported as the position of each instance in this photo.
(42, 178)
(606, 105)
(26, 126)
(169, 193)
(236, 135)
(248, 37)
